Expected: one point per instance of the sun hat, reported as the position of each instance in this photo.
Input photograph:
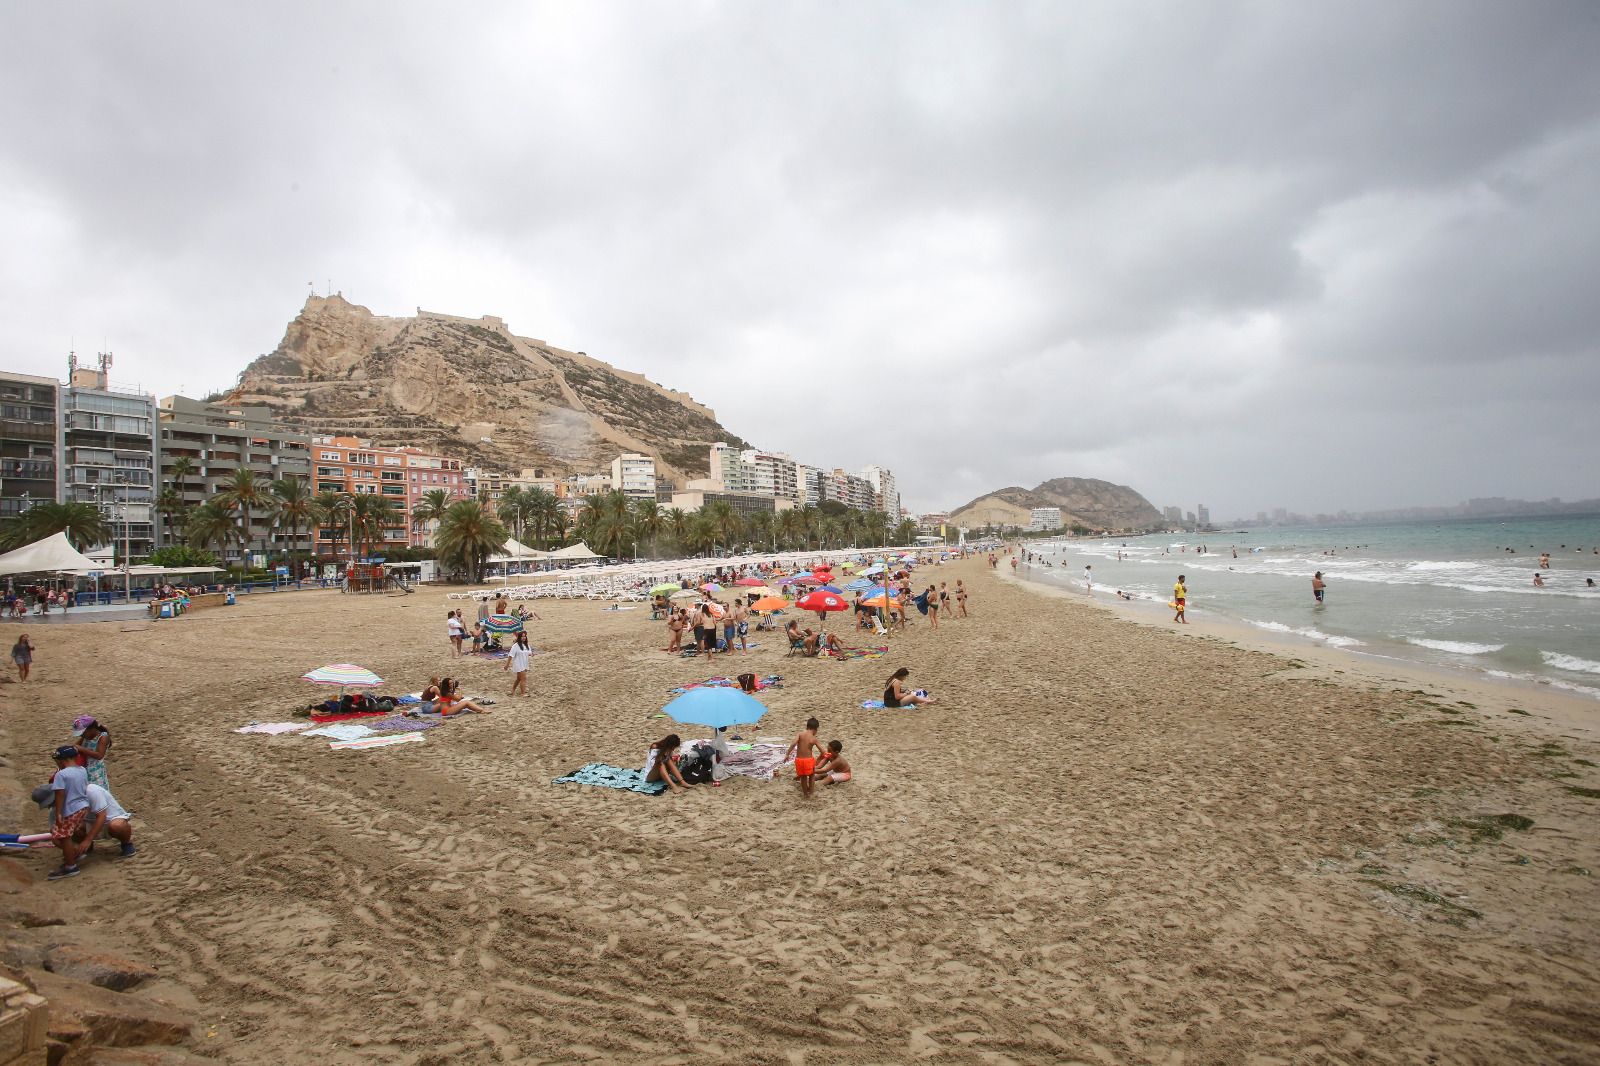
(82, 722)
(44, 795)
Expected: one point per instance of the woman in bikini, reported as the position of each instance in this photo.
(450, 701)
(675, 625)
(897, 695)
(661, 763)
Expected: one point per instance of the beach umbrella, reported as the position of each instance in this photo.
(875, 568)
(345, 675)
(829, 588)
(666, 587)
(769, 603)
(503, 623)
(860, 584)
(751, 582)
(811, 579)
(822, 602)
(685, 594)
(711, 586)
(715, 708)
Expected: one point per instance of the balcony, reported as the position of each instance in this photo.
(14, 429)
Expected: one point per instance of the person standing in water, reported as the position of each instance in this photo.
(1317, 586)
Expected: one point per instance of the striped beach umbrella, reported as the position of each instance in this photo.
(345, 675)
(503, 623)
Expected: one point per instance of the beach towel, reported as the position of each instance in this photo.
(272, 729)
(377, 742)
(760, 761)
(877, 705)
(774, 681)
(847, 654)
(492, 656)
(399, 723)
(324, 719)
(601, 775)
(340, 732)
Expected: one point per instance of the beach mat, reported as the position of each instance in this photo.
(272, 729)
(341, 732)
(399, 723)
(601, 775)
(861, 653)
(377, 742)
(760, 761)
(324, 719)
(877, 705)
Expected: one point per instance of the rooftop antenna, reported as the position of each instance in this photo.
(105, 362)
(72, 363)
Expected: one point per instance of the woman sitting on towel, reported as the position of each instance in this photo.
(897, 695)
(661, 763)
(450, 701)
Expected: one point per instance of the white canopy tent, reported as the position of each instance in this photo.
(515, 551)
(579, 550)
(54, 555)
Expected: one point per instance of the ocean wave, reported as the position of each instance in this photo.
(1331, 639)
(1570, 662)
(1454, 647)
(1565, 686)
(1429, 565)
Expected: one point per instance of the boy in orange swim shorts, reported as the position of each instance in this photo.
(804, 751)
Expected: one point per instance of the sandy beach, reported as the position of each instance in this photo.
(1108, 842)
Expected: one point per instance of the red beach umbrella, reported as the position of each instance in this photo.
(822, 602)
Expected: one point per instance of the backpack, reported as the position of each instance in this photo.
(695, 765)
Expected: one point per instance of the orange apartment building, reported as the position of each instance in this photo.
(402, 475)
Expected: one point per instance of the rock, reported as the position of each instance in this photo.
(82, 1012)
(1083, 501)
(97, 967)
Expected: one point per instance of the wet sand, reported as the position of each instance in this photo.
(1107, 842)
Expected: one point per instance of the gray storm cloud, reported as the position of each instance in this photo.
(1241, 254)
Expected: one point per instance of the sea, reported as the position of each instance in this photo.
(1451, 593)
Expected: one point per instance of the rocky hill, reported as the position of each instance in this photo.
(1083, 501)
(471, 388)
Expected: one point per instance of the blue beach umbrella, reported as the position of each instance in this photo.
(715, 708)
(829, 588)
(860, 584)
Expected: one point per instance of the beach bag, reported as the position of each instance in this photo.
(695, 766)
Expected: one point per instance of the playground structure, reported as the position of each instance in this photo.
(379, 577)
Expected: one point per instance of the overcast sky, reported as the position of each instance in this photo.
(1337, 255)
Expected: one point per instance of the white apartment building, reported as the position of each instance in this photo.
(634, 476)
(1041, 518)
(883, 486)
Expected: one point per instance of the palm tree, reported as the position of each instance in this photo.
(182, 467)
(791, 527)
(589, 516)
(725, 521)
(468, 535)
(700, 535)
(331, 511)
(515, 510)
(560, 523)
(292, 506)
(678, 523)
(83, 524)
(371, 516)
(649, 521)
(543, 510)
(211, 525)
(905, 532)
(611, 525)
(430, 508)
(875, 528)
(171, 506)
(244, 492)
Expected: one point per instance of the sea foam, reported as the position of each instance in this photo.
(1455, 647)
(1570, 662)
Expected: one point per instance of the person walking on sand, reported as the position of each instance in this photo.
(961, 598)
(1180, 597)
(1317, 586)
(457, 631)
(517, 663)
(22, 654)
(804, 750)
(1088, 578)
(931, 597)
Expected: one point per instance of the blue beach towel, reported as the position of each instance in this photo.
(601, 775)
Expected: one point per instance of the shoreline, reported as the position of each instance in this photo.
(1565, 714)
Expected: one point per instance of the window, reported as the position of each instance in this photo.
(332, 456)
(391, 460)
(330, 471)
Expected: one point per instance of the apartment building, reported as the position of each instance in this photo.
(400, 475)
(848, 489)
(886, 494)
(29, 438)
(634, 476)
(108, 457)
(218, 441)
(1044, 518)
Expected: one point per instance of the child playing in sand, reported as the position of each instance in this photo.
(804, 751)
(832, 768)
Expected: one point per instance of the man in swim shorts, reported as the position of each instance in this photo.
(804, 751)
(1317, 586)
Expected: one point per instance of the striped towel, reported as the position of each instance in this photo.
(377, 742)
